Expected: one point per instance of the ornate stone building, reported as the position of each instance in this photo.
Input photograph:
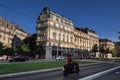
(85, 39)
(93, 38)
(55, 33)
(105, 43)
(117, 48)
(81, 43)
(57, 36)
(8, 30)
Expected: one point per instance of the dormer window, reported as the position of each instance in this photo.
(57, 19)
(61, 21)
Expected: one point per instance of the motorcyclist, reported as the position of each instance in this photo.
(71, 66)
(69, 59)
(72, 63)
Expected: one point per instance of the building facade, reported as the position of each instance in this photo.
(8, 30)
(117, 48)
(107, 44)
(81, 44)
(57, 36)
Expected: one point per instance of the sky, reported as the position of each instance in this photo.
(102, 16)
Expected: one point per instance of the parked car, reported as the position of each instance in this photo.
(18, 59)
(60, 58)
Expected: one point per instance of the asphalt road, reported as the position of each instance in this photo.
(114, 75)
(58, 75)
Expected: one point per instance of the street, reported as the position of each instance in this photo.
(114, 75)
(58, 75)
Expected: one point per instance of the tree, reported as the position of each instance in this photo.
(7, 51)
(41, 51)
(102, 52)
(113, 51)
(31, 41)
(107, 51)
(1, 46)
(95, 49)
(25, 49)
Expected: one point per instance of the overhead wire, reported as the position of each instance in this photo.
(18, 12)
(23, 14)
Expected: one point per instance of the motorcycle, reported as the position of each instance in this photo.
(72, 68)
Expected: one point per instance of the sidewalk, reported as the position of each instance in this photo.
(34, 60)
(98, 61)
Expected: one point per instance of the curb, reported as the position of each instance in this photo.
(91, 77)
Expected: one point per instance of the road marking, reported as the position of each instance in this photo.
(117, 72)
(91, 77)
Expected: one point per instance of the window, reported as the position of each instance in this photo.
(61, 26)
(7, 25)
(54, 25)
(61, 21)
(59, 37)
(4, 38)
(51, 16)
(71, 38)
(75, 39)
(54, 35)
(0, 22)
(57, 25)
(3, 23)
(0, 35)
(51, 23)
(54, 17)
(57, 19)
(67, 38)
(63, 37)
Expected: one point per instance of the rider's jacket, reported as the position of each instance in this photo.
(69, 60)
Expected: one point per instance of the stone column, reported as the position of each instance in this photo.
(48, 52)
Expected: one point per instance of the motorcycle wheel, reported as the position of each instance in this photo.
(77, 72)
(65, 73)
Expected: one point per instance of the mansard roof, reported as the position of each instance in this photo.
(47, 10)
(86, 30)
(105, 40)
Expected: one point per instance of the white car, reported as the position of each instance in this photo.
(60, 58)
